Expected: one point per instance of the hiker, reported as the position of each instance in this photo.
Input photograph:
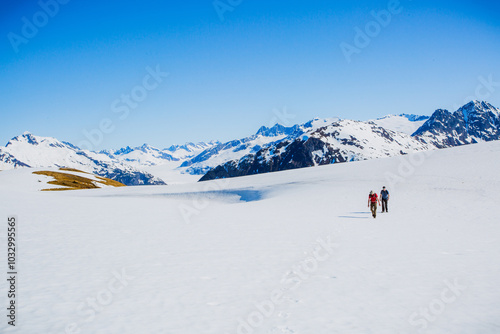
(372, 203)
(384, 193)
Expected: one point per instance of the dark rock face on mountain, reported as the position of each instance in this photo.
(131, 177)
(295, 154)
(279, 129)
(7, 158)
(474, 122)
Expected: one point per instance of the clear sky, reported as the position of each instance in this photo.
(235, 65)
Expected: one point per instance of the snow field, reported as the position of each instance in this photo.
(127, 260)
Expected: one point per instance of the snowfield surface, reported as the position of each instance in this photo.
(399, 124)
(171, 173)
(288, 252)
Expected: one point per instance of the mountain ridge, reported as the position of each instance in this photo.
(474, 122)
(279, 147)
(321, 144)
(28, 150)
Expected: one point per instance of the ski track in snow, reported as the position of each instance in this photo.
(243, 236)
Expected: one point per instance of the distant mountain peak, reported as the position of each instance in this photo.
(479, 104)
(319, 122)
(474, 122)
(191, 147)
(25, 137)
(478, 107)
(124, 150)
(147, 148)
(276, 130)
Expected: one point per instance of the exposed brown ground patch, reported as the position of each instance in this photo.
(72, 170)
(76, 182)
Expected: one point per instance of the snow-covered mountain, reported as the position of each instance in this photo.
(236, 149)
(28, 150)
(345, 140)
(322, 142)
(189, 150)
(147, 155)
(406, 123)
(476, 121)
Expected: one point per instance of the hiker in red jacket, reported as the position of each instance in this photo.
(372, 203)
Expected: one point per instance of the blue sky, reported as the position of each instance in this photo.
(227, 77)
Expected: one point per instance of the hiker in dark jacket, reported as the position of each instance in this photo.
(372, 203)
(384, 193)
